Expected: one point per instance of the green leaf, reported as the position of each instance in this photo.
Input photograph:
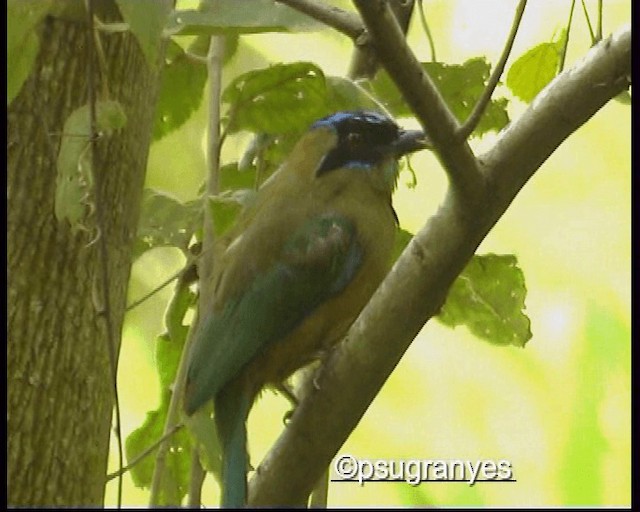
(74, 180)
(181, 300)
(178, 457)
(345, 94)
(226, 206)
(232, 179)
(23, 42)
(295, 91)
(180, 95)
(403, 238)
(165, 221)
(460, 85)
(536, 68)
(147, 19)
(202, 426)
(231, 17)
(175, 483)
(488, 297)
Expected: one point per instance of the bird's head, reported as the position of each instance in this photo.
(363, 141)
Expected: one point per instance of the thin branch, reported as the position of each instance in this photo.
(586, 16)
(563, 55)
(599, 27)
(419, 281)
(215, 58)
(427, 31)
(424, 99)
(145, 453)
(343, 21)
(162, 285)
(102, 245)
(473, 120)
(215, 61)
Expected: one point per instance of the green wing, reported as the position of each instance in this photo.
(316, 262)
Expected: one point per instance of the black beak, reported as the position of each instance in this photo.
(409, 141)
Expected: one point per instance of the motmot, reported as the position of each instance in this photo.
(298, 267)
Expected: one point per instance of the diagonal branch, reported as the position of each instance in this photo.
(343, 21)
(418, 283)
(424, 99)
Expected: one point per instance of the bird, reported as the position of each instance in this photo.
(296, 270)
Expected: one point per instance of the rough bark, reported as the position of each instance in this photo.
(60, 386)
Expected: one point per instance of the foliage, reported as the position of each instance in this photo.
(275, 104)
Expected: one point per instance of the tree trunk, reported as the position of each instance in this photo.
(60, 385)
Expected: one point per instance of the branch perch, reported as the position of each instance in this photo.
(418, 283)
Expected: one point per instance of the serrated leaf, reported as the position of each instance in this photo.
(23, 42)
(460, 85)
(74, 173)
(488, 297)
(147, 19)
(178, 456)
(181, 90)
(165, 221)
(295, 91)
(535, 69)
(175, 483)
(230, 17)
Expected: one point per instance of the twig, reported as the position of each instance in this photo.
(162, 285)
(102, 246)
(343, 21)
(472, 121)
(146, 452)
(425, 27)
(586, 16)
(563, 55)
(599, 27)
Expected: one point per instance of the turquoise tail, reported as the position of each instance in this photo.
(231, 411)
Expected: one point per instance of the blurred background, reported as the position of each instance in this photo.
(559, 409)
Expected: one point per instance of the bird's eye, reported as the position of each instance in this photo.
(354, 139)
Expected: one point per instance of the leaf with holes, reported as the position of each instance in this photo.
(488, 297)
(165, 221)
(461, 86)
(180, 94)
(297, 92)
